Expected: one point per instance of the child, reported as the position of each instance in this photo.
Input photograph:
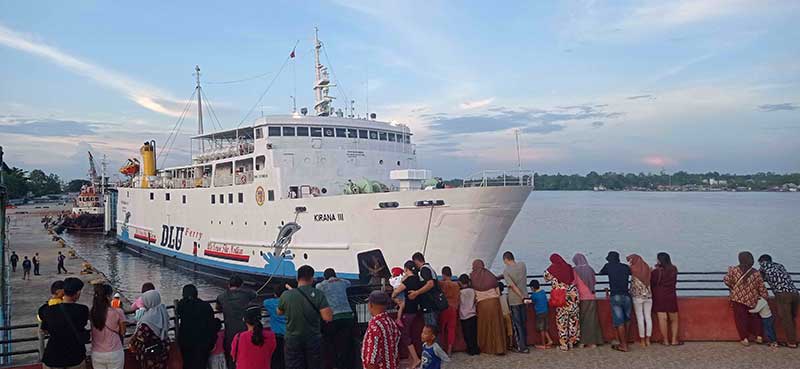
(468, 316)
(539, 298)
(432, 353)
(506, 316)
(767, 320)
(216, 360)
(400, 299)
(117, 301)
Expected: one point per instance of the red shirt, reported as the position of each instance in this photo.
(381, 342)
(249, 356)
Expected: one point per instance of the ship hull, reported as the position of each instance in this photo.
(341, 232)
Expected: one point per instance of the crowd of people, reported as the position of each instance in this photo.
(312, 324)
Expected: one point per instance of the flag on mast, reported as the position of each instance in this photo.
(291, 55)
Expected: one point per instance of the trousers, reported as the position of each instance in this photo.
(644, 318)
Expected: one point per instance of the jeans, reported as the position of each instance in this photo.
(302, 353)
(644, 316)
(431, 318)
(620, 309)
(519, 320)
(108, 360)
(769, 329)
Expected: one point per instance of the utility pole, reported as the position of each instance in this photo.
(3, 277)
(199, 108)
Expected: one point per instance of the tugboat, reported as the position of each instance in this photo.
(88, 213)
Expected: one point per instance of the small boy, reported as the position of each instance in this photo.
(506, 316)
(539, 298)
(116, 302)
(432, 353)
(400, 299)
(767, 320)
(468, 316)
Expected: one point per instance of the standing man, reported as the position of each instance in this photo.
(379, 349)
(787, 298)
(66, 325)
(338, 350)
(233, 303)
(14, 258)
(26, 268)
(428, 277)
(618, 276)
(516, 277)
(36, 261)
(449, 317)
(61, 259)
(305, 308)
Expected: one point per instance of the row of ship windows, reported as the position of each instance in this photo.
(285, 131)
(240, 197)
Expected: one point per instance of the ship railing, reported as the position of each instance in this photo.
(500, 178)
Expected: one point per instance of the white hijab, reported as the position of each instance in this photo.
(155, 315)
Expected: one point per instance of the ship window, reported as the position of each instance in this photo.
(166, 196)
(271, 195)
(241, 197)
(288, 131)
(341, 132)
(302, 131)
(373, 135)
(274, 131)
(152, 196)
(391, 137)
(408, 139)
(183, 199)
(213, 199)
(127, 193)
(316, 132)
(399, 138)
(221, 198)
(230, 198)
(352, 133)
(259, 133)
(363, 133)
(328, 132)
(383, 136)
(260, 160)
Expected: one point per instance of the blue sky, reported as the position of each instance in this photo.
(621, 86)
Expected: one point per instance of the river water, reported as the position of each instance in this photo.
(702, 232)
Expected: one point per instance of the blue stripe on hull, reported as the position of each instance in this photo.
(226, 268)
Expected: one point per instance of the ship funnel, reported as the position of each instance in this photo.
(148, 152)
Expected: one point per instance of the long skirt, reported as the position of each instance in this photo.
(568, 321)
(591, 333)
(747, 324)
(491, 327)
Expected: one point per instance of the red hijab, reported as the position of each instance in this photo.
(639, 268)
(560, 269)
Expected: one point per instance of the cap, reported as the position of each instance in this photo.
(397, 271)
(116, 295)
(378, 298)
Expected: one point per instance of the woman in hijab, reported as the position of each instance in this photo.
(491, 327)
(591, 333)
(642, 297)
(196, 329)
(746, 287)
(663, 281)
(149, 341)
(562, 277)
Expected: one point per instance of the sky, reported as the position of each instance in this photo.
(631, 86)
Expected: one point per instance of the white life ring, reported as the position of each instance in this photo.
(243, 179)
(183, 183)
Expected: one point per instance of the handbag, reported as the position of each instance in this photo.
(558, 297)
(436, 294)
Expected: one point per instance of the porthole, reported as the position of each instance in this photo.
(265, 222)
(231, 222)
(305, 256)
(245, 222)
(380, 162)
(219, 222)
(398, 163)
(324, 190)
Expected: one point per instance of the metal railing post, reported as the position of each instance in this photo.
(40, 334)
(177, 318)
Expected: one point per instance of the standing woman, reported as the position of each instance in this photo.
(108, 328)
(562, 277)
(196, 334)
(149, 341)
(642, 297)
(491, 327)
(253, 348)
(746, 287)
(591, 333)
(663, 280)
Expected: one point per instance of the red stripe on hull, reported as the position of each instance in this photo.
(222, 255)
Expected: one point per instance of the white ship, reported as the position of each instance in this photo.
(351, 183)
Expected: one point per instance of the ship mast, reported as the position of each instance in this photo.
(199, 91)
(322, 102)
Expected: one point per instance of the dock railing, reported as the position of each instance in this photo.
(499, 178)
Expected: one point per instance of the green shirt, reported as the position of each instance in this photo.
(302, 320)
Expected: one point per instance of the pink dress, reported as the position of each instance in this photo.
(584, 293)
(249, 356)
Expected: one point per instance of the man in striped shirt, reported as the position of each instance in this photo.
(379, 349)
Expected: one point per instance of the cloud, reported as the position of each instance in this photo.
(638, 97)
(477, 104)
(46, 127)
(658, 161)
(778, 107)
(598, 124)
(530, 120)
(146, 96)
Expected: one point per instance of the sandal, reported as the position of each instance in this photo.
(679, 343)
(617, 348)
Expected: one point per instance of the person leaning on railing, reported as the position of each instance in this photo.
(66, 325)
(787, 298)
(746, 287)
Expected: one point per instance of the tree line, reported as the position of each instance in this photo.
(21, 183)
